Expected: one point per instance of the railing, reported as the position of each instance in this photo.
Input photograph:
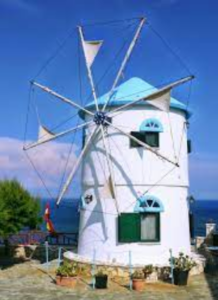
(63, 238)
(39, 237)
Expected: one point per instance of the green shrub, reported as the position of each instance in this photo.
(67, 270)
(183, 262)
(147, 270)
(138, 274)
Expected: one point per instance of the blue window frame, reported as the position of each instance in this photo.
(148, 133)
(149, 208)
(148, 203)
(142, 225)
(151, 125)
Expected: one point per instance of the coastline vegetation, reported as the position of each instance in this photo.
(18, 209)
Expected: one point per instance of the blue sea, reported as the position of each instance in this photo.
(66, 217)
(204, 211)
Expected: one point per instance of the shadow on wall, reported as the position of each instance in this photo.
(98, 215)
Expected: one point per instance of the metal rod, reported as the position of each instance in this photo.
(59, 256)
(143, 144)
(77, 164)
(167, 87)
(47, 254)
(130, 270)
(68, 101)
(57, 135)
(93, 268)
(125, 60)
(171, 266)
(110, 169)
(88, 69)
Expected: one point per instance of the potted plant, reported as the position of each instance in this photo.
(66, 274)
(148, 270)
(182, 265)
(101, 280)
(138, 280)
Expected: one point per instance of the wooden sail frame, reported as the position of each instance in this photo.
(100, 127)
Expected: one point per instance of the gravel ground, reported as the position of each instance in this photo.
(29, 281)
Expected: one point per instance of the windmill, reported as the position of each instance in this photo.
(99, 122)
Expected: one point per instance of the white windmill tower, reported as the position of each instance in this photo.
(135, 168)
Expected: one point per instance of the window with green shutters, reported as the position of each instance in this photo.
(138, 227)
(128, 227)
(149, 138)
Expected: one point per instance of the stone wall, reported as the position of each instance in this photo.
(114, 271)
(37, 252)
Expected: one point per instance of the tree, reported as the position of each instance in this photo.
(18, 209)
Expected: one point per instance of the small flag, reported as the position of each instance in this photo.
(47, 212)
(50, 226)
(47, 219)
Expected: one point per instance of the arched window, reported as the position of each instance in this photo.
(148, 133)
(143, 225)
(148, 203)
(151, 125)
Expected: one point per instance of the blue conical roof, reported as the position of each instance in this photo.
(131, 90)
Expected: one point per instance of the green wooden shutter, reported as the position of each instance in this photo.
(152, 139)
(189, 146)
(128, 227)
(158, 227)
(139, 136)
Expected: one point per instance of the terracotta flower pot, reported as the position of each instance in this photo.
(66, 281)
(138, 284)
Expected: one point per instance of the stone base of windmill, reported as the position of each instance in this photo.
(115, 270)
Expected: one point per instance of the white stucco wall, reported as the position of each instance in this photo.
(137, 170)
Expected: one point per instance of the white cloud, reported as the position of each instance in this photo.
(49, 159)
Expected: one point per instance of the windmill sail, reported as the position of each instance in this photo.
(161, 100)
(44, 133)
(91, 49)
(108, 191)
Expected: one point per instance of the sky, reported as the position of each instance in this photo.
(31, 31)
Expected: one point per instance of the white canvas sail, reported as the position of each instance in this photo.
(44, 134)
(91, 49)
(161, 100)
(108, 191)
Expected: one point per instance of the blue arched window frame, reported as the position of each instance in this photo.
(154, 205)
(135, 226)
(151, 125)
(82, 203)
